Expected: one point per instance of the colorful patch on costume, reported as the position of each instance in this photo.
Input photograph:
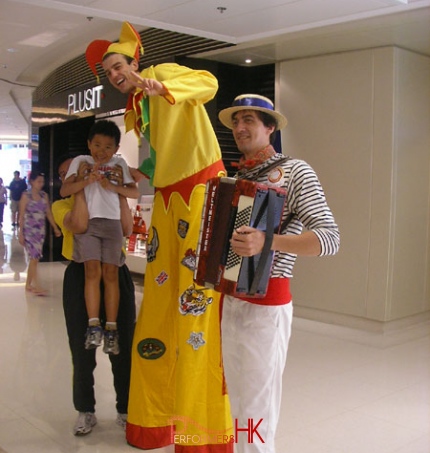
(162, 278)
(193, 301)
(152, 246)
(276, 176)
(183, 228)
(151, 348)
(196, 340)
(189, 260)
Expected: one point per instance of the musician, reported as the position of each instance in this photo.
(177, 389)
(256, 332)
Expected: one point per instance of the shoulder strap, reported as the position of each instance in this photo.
(264, 170)
(273, 165)
(265, 253)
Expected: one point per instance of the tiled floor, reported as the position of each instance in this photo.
(345, 391)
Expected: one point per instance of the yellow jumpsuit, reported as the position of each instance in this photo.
(177, 390)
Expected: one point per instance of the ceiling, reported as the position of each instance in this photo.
(37, 36)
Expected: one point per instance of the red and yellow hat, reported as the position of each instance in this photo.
(129, 44)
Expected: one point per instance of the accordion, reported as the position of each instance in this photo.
(229, 204)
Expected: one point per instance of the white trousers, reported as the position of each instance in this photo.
(255, 343)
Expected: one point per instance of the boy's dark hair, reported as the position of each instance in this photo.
(107, 128)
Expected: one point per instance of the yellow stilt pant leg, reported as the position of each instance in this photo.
(177, 390)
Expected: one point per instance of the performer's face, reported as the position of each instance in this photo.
(250, 133)
(117, 70)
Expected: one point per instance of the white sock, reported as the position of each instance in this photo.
(111, 326)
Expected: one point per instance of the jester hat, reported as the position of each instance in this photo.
(129, 45)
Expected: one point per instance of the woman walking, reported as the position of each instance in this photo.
(34, 209)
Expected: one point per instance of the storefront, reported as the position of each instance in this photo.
(60, 124)
(68, 102)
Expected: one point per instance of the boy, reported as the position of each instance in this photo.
(71, 215)
(99, 248)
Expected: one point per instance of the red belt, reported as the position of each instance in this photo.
(278, 293)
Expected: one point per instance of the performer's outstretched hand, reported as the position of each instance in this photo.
(150, 87)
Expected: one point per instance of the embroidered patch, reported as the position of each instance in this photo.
(152, 246)
(162, 278)
(151, 348)
(196, 340)
(183, 228)
(276, 176)
(193, 301)
(189, 260)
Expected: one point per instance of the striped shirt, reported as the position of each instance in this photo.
(305, 200)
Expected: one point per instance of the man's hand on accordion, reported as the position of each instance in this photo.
(247, 241)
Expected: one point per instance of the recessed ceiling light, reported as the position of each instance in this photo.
(43, 39)
(248, 61)
(12, 50)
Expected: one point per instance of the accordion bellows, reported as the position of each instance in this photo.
(229, 204)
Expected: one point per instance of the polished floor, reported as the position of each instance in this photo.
(345, 391)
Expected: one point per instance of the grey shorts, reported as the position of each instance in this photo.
(101, 242)
(14, 206)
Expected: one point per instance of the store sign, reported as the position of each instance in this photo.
(85, 100)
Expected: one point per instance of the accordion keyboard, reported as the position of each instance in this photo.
(243, 217)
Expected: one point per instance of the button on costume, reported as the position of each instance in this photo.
(177, 392)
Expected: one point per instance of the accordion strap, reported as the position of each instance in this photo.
(265, 253)
(264, 170)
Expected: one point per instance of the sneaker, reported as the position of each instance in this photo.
(93, 337)
(121, 420)
(84, 423)
(111, 345)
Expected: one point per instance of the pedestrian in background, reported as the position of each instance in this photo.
(34, 209)
(16, 187)
(3, 200)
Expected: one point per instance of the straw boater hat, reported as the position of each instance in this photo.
(129, 45)
(251, 102)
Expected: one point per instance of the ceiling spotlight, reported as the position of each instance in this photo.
(90, 18)
(221, 9)
(248, 61)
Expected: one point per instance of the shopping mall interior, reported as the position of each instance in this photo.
(353, 79)
(345, 390)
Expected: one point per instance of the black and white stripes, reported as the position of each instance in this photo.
(306, 200)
